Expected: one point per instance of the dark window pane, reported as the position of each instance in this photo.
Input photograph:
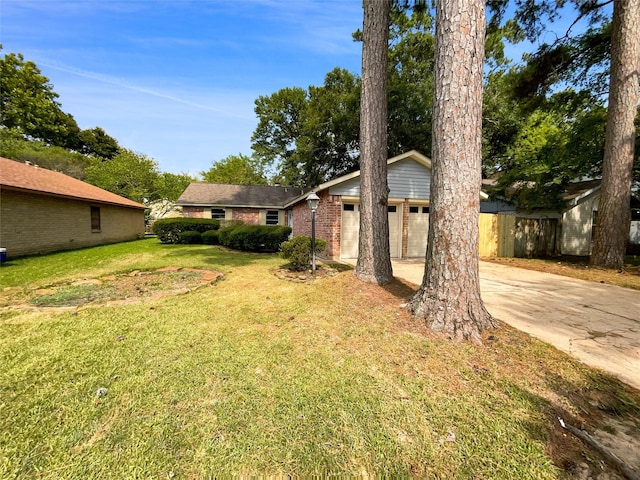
(217, 213)
(272, 217)
(95, 219)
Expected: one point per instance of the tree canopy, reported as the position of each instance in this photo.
(136, 176)
(236, 169)
(29, 105)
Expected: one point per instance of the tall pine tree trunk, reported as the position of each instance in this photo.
(374, 260)
(449, 297)
(614, 211)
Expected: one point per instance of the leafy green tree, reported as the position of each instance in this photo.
(312, 135)
(131, 175)
(559, 142)
(13, 145)
(29, 104)
(169, 186)
(95, 141)
(410, 80)
(279, 127)
(236, 169)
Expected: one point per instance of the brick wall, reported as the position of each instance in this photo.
(193, 212)
(328, 220)
(405, 228)
(32, 224)
(249, 216)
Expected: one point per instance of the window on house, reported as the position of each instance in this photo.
(272, 217)
(349, 207)
(425, 209)
(95, 219)
(392, 209)
(594, 223)
(217, 213)
(414, 209)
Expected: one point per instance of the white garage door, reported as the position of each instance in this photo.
(351, 227)
(418, 230)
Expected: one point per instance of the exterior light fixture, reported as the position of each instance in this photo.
(312, 201)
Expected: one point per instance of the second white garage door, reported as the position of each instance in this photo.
(350, 228)
(418, 231)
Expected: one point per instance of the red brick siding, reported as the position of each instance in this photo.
(249, 216)
(405, 227)
(33, 224)
(193, 212)
(328, 220)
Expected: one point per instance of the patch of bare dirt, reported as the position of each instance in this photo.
(133, 287)
(322, 270)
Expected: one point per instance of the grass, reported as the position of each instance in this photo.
(260, 376)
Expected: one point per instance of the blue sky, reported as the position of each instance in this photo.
(177, 80)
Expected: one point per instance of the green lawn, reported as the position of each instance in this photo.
(255, 375)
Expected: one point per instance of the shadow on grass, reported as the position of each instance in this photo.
(400, 288)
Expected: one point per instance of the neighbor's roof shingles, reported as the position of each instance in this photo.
(20, 176)
(209, 194)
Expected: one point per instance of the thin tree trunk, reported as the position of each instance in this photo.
(449, 297)
(614, 211)
(374, 260)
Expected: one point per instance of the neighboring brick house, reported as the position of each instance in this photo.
(44, 211)
(251, 204)
(337, 217)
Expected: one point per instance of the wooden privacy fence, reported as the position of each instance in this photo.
(496, 235)
(510, 236)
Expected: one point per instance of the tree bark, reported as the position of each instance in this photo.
(614, 211)
(449, 297)
(374, 260)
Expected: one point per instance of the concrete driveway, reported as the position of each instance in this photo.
(598, 324)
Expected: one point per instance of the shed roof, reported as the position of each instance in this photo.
(225, 195)
(31, 178)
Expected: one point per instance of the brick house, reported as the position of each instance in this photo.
(250, 204)
(44, 211)
(337, 217)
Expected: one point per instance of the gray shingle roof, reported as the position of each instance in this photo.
(224, 195)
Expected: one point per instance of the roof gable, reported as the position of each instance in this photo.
(227, 195)
(352, 179)
(30, 178)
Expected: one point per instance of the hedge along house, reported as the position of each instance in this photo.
(250, 204)
(338, 214)
(44, 211)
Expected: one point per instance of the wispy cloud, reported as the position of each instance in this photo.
(121, 83)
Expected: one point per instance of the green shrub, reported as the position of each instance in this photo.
(225, 233)
(190, 237)
(298, 251)
(254, 238)
(210, 237)
(168, 230)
